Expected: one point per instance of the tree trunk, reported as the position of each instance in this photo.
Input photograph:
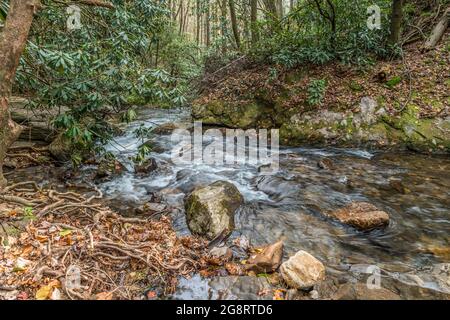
(438, 31)
(208, 25)
(271, 7)
(223, 20)
(396, 21)
(254, 20)
(198, 22)
(12, 43)
(234, 24)
(280, 9)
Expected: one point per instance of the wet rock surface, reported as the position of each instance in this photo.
(302, 271)
(146, 167)
(360, 291)
(210, 210)
(225, 288)
(361, 215)
(268, 260)
(107, 169)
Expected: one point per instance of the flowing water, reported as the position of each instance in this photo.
(412, 253)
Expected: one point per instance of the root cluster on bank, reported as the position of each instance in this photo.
(66, 245)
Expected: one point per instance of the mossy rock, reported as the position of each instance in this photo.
(210, 210)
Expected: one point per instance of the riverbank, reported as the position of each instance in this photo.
(402, 104)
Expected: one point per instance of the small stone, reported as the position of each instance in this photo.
(314, 295)
(221, 252)
(302, 271)
(22, 263)
(148, 166)
(398, 186)
(109, 168)
(56, 294)
(293, 294)
(268, 260)
(242, 242)
(165, 129)
(325, 164)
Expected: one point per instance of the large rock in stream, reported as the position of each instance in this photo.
(210, 210)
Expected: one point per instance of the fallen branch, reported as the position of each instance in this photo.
(438, 32)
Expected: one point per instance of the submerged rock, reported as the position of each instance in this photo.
(302, 271)
(326, 164)
(361, 215)
(268, 260)
(360, 291)
(210, 210)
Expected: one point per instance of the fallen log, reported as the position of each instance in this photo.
(438, 32)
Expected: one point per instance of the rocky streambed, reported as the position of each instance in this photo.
(343, 216)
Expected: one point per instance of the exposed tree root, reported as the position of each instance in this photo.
(75, 247)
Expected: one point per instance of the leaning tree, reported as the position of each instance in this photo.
(13, 39)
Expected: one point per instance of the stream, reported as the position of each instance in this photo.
(412, 253)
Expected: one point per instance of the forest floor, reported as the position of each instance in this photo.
(63, 245)
(419, 78)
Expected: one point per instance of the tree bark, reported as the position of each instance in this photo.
(208, 25)
(396, 21)
(197, 7)
(437, 32)
(12, 43)
(223, 21)
(254, 20)
(271, 7)
(234, 24)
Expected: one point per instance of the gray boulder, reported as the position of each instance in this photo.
(210, 210)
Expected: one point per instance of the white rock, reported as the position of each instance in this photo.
(314, 295)
(302, 271)
(22, 263)
(219, 252)
(56, 294)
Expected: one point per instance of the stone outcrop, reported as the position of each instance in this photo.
(367, 125)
